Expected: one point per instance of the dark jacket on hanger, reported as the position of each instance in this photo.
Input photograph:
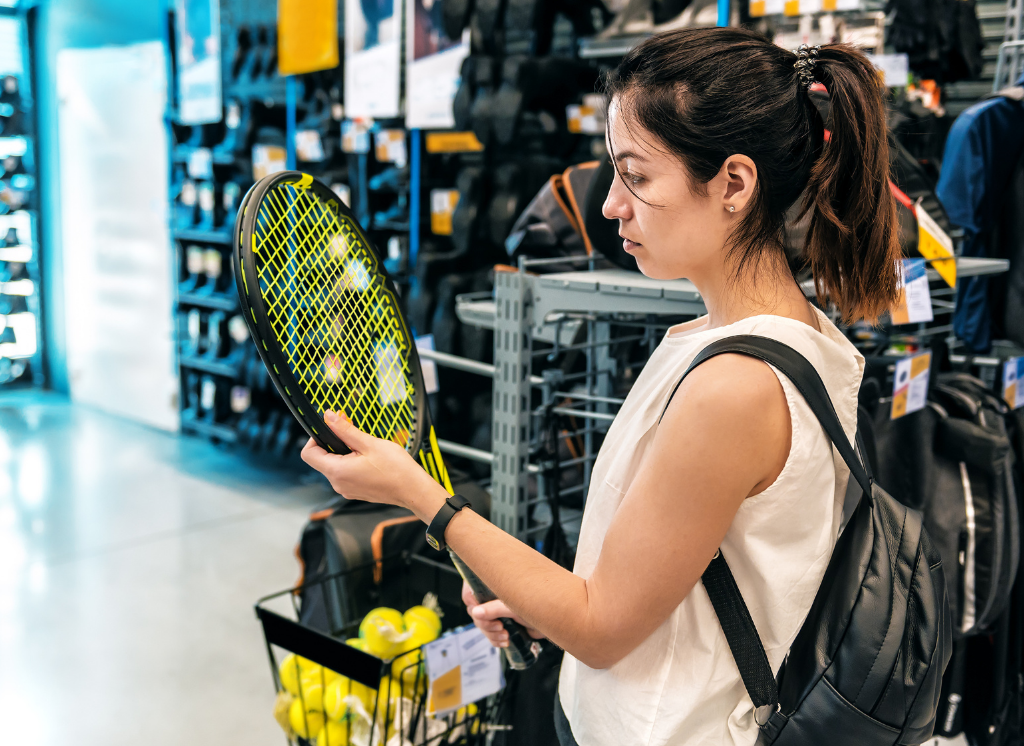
(978, 187)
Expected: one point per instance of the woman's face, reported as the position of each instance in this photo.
(672, 231)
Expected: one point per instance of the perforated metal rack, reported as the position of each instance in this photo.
(577, 311)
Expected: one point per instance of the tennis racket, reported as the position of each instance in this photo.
(327, 324)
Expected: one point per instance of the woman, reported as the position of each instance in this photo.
(714, 137)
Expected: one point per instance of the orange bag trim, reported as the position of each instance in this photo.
(575, 204)
(302, 567)
(558, 183)
(377, 544)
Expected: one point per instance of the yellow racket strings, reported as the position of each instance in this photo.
(331, 313)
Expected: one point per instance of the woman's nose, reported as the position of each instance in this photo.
(616, 204)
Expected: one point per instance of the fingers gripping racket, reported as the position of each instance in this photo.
(327, 324)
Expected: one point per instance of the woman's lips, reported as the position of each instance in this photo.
(630, 246)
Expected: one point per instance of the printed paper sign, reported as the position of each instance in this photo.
(429, 367)
(433, 66)
(933, 244)
(199, 83)
(1013, 382)
(915, 302)
(462, 667)
(373, 58)
(910, 384)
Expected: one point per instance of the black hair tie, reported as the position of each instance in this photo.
(805, 58)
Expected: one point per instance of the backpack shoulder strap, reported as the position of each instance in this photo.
(718, 580)
(807, 381)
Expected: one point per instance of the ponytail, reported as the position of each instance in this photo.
(852, 245)
(707, 94)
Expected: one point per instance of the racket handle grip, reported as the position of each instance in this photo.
(522, 649)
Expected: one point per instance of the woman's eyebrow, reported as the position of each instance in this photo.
(628, 154)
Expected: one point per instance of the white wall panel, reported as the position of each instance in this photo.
(116, 247)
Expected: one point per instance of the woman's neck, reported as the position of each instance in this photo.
(767, 288)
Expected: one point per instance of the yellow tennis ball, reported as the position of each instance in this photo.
(382, 629)
(358, 643)
(423, 614)
(305, 724)
(465, 713)
(282, 710)
(335, 705)
(333, 734)
(408, 654)
(293, 668)
(312, 695)
(389, 693)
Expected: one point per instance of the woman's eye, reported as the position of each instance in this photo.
(634, 179)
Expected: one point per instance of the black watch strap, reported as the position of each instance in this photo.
(435, 531)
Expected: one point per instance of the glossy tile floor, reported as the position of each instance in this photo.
(130, 560)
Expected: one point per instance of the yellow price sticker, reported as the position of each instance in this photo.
(442, 207)
(757, 8)
(453, 142)
(936, 246)
(791, 8)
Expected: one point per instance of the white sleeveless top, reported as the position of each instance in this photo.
(681, 685)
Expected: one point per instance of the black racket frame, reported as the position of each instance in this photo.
(256, 317)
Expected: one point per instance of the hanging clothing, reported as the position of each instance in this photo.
(983, 151)
(681, 685)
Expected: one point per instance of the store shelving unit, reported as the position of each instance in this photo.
(536, 318)
(222, 396)
(21, 348)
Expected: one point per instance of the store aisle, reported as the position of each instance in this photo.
(129, 563)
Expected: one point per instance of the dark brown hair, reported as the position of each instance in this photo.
(707, 94)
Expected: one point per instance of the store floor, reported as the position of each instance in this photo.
(129, 563)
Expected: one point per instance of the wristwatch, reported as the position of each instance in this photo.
(435, 531)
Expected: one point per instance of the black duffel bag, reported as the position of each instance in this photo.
(866, 666)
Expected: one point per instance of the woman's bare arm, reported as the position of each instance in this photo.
(724, 437)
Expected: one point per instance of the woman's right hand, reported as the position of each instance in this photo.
(487, 618)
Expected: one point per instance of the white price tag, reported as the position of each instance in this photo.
(268, 159)
(344, 193)
(429, 367)
(462, 667)
(208, 394)
(389, 146)
(910, 384)
(442, 206)
(200, 164)
(894, 68)
(915, 302)
(1013, 382)
(355, 136)
(241, 398)
(584, 120)
(308, 146)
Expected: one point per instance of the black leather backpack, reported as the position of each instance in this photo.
(866, 666)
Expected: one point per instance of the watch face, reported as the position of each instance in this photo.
(433, 542)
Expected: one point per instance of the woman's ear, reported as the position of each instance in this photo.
(739, 176)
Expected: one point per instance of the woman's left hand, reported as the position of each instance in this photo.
(376, 470)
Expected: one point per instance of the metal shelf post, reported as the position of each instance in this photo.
(511, 424)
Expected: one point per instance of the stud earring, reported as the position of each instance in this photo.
(732, 208)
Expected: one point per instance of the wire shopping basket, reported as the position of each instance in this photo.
(332, 692)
